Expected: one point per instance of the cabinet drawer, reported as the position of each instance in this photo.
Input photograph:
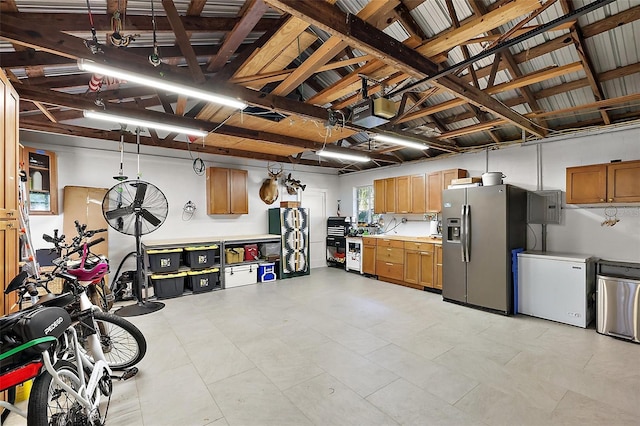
(385, 242)
(418, 246)
(369, 241)
(389, 269)
(390, 254)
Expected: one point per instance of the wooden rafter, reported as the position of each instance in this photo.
(252, 14)
(580, 46)
(182, 39)
(375, 42)
(115, 5)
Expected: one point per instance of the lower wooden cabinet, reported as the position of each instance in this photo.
(419, 264)
(369, 256)
(438, 268)
(390, 260)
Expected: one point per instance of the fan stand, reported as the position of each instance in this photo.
(142, 307)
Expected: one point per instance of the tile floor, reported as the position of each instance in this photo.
(336, 348)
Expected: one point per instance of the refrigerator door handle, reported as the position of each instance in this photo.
(467, 233)
(463, 253)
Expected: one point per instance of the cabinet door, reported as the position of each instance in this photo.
(369, 260)
(379, 200)
(587, 184)
(623, 182)
(449, 175)
(418, 194)
(390, 195)
(10, 254)
(412, 267)
(438, 268)
(426, 269)
(217, 190)
(403, 189)
(434, 184)
(42, 181)
(239, 200)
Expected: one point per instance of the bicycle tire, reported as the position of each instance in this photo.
(50, 404)
(123, 343)
(11, 399)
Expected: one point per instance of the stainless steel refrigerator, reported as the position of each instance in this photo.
(481, 225)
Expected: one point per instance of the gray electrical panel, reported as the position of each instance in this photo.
(544, 207)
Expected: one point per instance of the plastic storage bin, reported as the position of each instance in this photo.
(168, 285)
(204, 280)
(201, 257)
(266, 272)
(164, 260)
(234, 255)
(235, 276)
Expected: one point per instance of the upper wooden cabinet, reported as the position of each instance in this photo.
(384, 195)
(415, 194)
(604, 183)
(403, 192)
(42, 181)
(434, 192)
(418, 193)
(227, 191)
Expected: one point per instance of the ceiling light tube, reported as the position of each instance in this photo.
(159, 84)
(400, 141)
(143, 123)
(343, 156)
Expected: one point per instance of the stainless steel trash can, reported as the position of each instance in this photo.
(618, 300)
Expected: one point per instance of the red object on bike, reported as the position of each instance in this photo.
(20, 375)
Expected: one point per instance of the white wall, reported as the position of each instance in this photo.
(84, 162)
(580, 231)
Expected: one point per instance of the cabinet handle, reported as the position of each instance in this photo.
(601, 199)
(389, 249)
(426, 253)
(610, 199)
(388, 264)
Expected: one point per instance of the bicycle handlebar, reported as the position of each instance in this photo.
(89, 244)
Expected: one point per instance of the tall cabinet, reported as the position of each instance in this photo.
(9, 221)
(292, 225)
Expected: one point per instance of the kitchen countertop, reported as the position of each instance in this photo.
(407, 238)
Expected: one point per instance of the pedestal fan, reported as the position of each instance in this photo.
(135, 207)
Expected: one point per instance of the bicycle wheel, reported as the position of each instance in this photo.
(50, 404)
(123, 343)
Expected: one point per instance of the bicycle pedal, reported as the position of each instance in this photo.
(129, 373)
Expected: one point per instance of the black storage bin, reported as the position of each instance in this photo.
(202, 257)
(204, 280)
(168, 285)
(164, 260)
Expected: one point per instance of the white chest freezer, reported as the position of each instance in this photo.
(556, 286)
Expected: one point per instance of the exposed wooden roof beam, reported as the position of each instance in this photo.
(195, 7)
(611, 22)
(182, 39)
(363, 36)
(116, 5)
(70, 22)
(254, 9)
(113, 135)
(494, 38)
(580, 46)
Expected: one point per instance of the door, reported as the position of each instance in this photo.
(238, 200)
(454, 273)
(489, 262)
(403, 189)
(418, 194)
(622, 182)
(316, 201)
(434, 192)
(379, 200)
(586, 184)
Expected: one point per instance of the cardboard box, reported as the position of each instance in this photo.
(289, 204)
(466, 181)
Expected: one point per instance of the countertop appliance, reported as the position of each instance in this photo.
(618, 300)
(354, 254)
(557, 286)
(481, 225)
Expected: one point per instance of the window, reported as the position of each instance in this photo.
(364, 205)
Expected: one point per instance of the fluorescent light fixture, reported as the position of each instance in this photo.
(159, 84)
(143, 123)
(400, 141)
(343, 156)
